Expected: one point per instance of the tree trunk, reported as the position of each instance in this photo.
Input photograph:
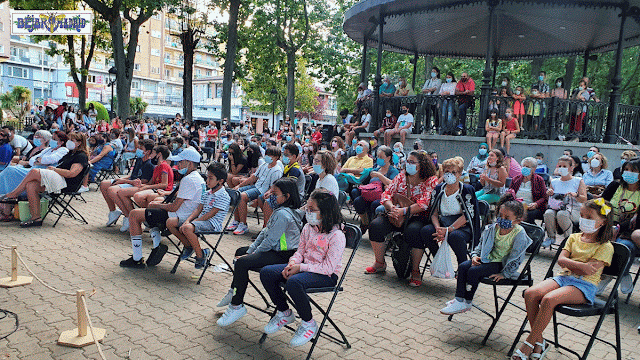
(612, 69)
(428, 65)
(291, 84)
(569, 72)
(82, 93)
(188, 48)
(125, 72)
(536, 67)
(230, 59)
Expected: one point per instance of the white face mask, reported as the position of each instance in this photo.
(492, 164)
(312, 218)
(563, 171)
(70, 145)
(449, 178)
(595, 163)
(588, 226)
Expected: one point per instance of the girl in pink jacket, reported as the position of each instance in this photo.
(315, 264)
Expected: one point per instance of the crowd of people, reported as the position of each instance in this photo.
(301, 177)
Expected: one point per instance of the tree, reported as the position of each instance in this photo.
(136, 13)
(137, 106)
(103, 114)
(17, 102)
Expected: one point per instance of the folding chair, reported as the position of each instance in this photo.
(106, 174)
(353, 235)
(60, 203)
(635, 280)
(307, 186)
(536, 233)
(600, 308)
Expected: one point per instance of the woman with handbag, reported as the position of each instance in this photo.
(454, 214)
(406, 201)
(367, 196)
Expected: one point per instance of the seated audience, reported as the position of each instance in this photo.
(530, 187)
(404, 126)
(291, 170)
(356, 164)
(388, 123)
(510, 130)
(493, 127)
(598, 177)
(627, 155)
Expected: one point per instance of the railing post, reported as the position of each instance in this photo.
(376, 88)
(614, 99)
(551, 116)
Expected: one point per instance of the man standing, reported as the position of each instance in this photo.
(387, 89)
(465, 90)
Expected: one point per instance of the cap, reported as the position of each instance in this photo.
(187, 154)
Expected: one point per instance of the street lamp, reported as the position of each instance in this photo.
(274, 93)
(112, 82)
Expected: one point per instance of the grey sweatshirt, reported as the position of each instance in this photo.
(281, 233)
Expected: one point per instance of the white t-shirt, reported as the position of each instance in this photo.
(366, 121)
(329, 183)
(20, 142)
(524, 192)
(405, 119)
(191, 189)
(449, 205)
(267, 176)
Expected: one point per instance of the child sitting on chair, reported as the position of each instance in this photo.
(582, 260)
(207, 217)
(316, 264)
(498, 255)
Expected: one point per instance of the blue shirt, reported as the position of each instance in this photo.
(604, 178)
(391, 173)
(542, 169)
(387, 88)
(6, 154)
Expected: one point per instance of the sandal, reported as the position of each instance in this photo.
(7, 200)
(31, 223)
(413, 282)
(376, 270)
(544, 346)
(519, 355)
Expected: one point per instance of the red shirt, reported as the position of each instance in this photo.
(212, 134)
(466, 86)
(317, 137)
(162, 168)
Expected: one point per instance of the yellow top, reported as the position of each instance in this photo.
(503, 244)
(355, 162)
(584, 252)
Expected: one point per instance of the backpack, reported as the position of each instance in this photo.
(401, 256)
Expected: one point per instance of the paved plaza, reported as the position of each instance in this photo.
(152, 314)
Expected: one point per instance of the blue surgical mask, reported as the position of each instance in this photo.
(395, 158)
(411, 169)
(53, 143)
(285, 160)
(183, 171)
(449, 80)
(268, 159)
(288, 138)
(590, 154)
(380, 162)
(482, 152)
(318, 169)
(525, 171)
(174, 146)
(139, 153)
(434, 74)
(354, 141)
(630, 177)
(359, 149)
(541, 78)
(273, 201)
(504, 223)
(37, 142)
(622, 161)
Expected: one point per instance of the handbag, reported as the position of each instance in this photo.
(372, 191)
(401, 200)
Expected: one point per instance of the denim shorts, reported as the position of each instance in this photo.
(122, 186)
(251, 191)
(204, 226)
(587, 288)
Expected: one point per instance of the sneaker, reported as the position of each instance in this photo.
(186, 253)
(200, 262)
(455, 308)
(241, 229)
(156, 235)
(83, 189)
(548, 242)
(605, 280)
(130, 263)
(157, 254)
(306, 331)
(233, 314)
(125, 224)
(626, 284)
(113, 217)
(278, 321)
(233, 226)
(226, 300)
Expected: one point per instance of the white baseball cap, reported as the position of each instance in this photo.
(187, 154)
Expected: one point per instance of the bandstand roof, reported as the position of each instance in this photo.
(523, 29)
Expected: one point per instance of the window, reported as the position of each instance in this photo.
(155, 70)
(156, 16)
(17, 52)
(180, 74)
(167, 58)
(155, 34)
(167, 73)
(15, 71)
(1, 26)
(137, 48)
(155, 52)
(218, 90)
(136, 66)
(198, 72)
(208, 72)
(135, 84)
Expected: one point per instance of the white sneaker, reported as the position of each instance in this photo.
(306, 331)
(548, 242)
(113, 217)
(226, 300)
(605, 280)
(455, 308)
(125, 225)
(278, 321)
(241, 229)
(232, 315)
(233, 226)
(83, 189)
(156, 235)
(626, 284)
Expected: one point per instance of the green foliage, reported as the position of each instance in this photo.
(137, 106)
(306, 93)
(17, 102)
(103, 114)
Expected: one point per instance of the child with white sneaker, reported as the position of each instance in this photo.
(317, 263)
(275, 244)
(499, 254)
(207, 217)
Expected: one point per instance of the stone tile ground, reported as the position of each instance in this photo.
(152, 314)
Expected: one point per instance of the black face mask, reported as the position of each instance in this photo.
(415, 146)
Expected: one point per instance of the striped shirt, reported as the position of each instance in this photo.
(219, 200)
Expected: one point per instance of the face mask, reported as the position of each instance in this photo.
(434, 74)
(508, 115)
(482, 152)
(412, 169)
(541, 78)
(174, 146)
(395, 159)
(264, 144)
(517, 92)
(380, 162)
(288, 138)
(504, 83)
(595, 163)
(622, 161)
(139, 153)
(70, 145)
(590, 154)
(559, 84)
(183, 171)
(285, 160)
(397, 149)
(525, 171)
(630, 177)
(504, 223)
(359, 149)
(388, 115)
(37, 142)
(354, 141)
(588, 226)
(334, 144)
(312, 218)
(563, 171)
(435, 162)
(273, 201)
(449, 178)
(318, 169)
(53, 143)
(405, 111)
(449, 80)
(492, 164)
(268, 159)
(581, 88)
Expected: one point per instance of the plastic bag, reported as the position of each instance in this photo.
(442, 265)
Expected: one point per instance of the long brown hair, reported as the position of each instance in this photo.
(605, 232)
(82, 139)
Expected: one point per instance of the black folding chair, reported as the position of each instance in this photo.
(307, 186)
(60, 203)
(353, 236)
(635, 280)
(483, 207)
(599, 308)
(536, 234)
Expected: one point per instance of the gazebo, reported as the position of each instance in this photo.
(498, 29)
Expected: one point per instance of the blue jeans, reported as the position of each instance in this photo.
(462, 115)
(471, 275)
(447, 115)
(295, 286)
(633, 248)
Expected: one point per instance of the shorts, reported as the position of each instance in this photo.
(204, 227)
(156, 218)
(251, 191)
(122, 186)
(587, 288)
